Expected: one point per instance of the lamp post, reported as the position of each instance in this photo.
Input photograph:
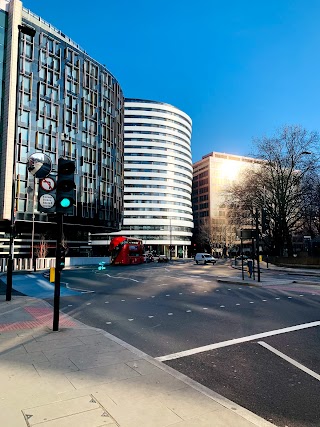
(170, 249)
(22, 29)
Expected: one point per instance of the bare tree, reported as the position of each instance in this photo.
(42, 250)
(216, 234)
(279, 187)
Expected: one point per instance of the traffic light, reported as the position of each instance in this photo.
(47, 194)
(62, 257)
(65, 198)
(265, 221)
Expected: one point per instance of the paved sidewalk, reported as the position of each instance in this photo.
(85, 377)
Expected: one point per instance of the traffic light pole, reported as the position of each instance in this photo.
(56, 300)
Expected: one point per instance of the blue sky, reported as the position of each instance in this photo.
(240, 68)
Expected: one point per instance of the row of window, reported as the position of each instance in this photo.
(157, 217)
(134, 145)
(157, 110)
(157, 201)
(135, 116)
(144, 178)
(149, 209)
(155, 125)
(186, 144)
(151, 193)
(164, 187)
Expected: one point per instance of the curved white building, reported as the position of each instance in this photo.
(157, 176)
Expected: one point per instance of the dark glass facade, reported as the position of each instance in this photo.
(70, 106)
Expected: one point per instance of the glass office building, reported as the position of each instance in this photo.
(58, 100)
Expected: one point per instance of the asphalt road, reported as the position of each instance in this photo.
(168, 309)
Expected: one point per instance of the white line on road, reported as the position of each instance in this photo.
(124, 278)
(288, 359)
(236, 341)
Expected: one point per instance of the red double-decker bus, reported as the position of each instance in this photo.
(126, 250)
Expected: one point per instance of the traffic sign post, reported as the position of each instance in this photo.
(56, 298)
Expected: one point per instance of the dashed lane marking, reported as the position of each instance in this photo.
(288, 359)
(236, 341)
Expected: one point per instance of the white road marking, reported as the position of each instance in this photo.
(83, 291)
(288, 359)
(124, 278)
(236, 341)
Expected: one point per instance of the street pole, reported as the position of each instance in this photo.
(241, 243)
(170, 241)
(56, 299)
(32, 234)
(258, 244)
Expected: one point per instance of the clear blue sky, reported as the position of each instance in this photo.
(239, 68)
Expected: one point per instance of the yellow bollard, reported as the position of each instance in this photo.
(52, 274)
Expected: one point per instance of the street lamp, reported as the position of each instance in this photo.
(22, 29)
(170, 240)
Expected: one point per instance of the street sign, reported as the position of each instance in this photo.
(46, 201)
(47, 194)
(48, 184)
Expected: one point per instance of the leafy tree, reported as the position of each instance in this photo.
(279, 184)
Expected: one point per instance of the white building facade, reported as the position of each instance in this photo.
(158, 176)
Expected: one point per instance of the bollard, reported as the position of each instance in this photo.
(52, 274)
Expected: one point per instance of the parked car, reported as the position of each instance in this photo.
(203, 258)
(163, 258)
(244, 257)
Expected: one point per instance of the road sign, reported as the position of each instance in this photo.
(47, 201)
(48, 184)
(47, 195)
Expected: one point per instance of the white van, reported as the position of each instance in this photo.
(204, 258)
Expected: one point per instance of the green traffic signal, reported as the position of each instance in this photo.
(65, 203)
